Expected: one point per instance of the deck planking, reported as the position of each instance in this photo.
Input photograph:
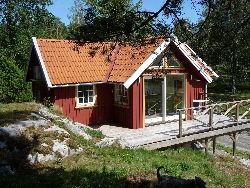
(166, 134)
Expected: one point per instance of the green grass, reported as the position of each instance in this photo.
(12, 112)
(240, 153)
(116, 167)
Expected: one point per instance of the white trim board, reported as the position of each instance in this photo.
(38, 52)
(146, 63)
(197, 66)
(77, 84)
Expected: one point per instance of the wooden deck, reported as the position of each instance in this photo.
(207, 122)
(199, 135)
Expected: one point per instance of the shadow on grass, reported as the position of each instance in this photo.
(14, 116)
(59, 177)
(14, 151)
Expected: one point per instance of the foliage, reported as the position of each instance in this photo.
(12, 86)
(19, 21)
(107, 20)
(224, 43)
(117, 20)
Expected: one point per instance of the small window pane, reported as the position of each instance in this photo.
(85, 94)
(88, 87)
(90, 99)
(80, 94)
(80, 100)
(85, 100)
(121, 94)
(91, 93)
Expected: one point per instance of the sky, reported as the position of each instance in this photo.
(61, 9)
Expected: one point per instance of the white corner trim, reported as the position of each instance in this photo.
(146, 63)
(38, 52)
(198, 67)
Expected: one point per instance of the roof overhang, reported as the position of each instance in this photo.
(159, 52)
(41, 62)
(198, 67)
(147, 63)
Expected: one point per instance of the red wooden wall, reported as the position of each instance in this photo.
(195, 90)
(130, 116)
(101, 113)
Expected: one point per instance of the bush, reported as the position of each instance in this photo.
(13, 87)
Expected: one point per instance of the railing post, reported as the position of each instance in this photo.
(234, 143)
(237, 112)
(211, 111)
(214, 145)
(180, 123)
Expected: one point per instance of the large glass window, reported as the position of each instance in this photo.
(86, 95)
(153, 96)
(175, 93)
(121, 94)
(167, 61)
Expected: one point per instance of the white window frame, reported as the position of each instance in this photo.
(80, 104)
(120, 93)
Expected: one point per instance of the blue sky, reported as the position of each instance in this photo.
(61, 8)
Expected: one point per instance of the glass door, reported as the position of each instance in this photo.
(175, 93)
(153, 97)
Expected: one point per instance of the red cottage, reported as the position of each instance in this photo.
(129, 85)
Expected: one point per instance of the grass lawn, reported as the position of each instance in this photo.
(9, 113)
(116, 167)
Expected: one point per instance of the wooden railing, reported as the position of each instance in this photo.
(236, 110)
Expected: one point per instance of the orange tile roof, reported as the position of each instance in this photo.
(197, 60)
(130, 58)
(69, 63)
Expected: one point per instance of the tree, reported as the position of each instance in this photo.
(107, 20)
(120, 20)
(19, 21)
(224, 41)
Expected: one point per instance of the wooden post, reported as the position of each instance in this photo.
(237, 112)
(180, 123)
(234, 143)
(206, 145)
(214, 145)
(164, 98)
(211, 111)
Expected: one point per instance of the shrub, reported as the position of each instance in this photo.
(13, 87)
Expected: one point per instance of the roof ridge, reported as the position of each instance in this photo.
(112, 60)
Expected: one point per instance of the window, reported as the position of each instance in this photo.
(37, 73)
(85, 95)
(170, 60)
(121, 94)
(167, 61)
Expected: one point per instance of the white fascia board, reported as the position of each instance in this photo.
(77, 84)
(198, 67)
(214, 73)
(45, 72)
(146, 63)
